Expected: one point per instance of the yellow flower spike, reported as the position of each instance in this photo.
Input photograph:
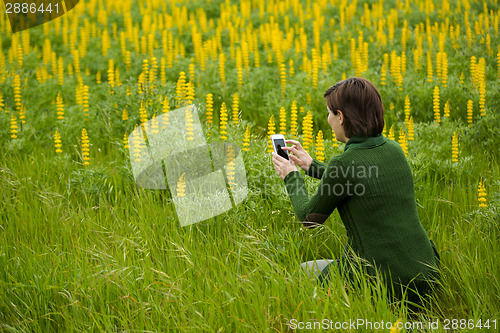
(391, 133)
(307, 131)
(98, 77)
(22, 114)
(481, 191)
(189, 91)
(482, 98)
(498, 65)
(143, 113)
(470, 111)
(435, 105)
(454, 147)
(59, 107)
(189, 123)
(271, 129)
(17, 91)
(236, 109)
(111, 75)
(165, 106)
(125, 115)
(320, 147)
(444, 70)
(13, 126)
(446, 112)
(315, 68)
(403, 141)
(283, 127)
(335, 142)
(181, 186)
(223, 118)
(60, 71)
(293, 119)
(85, 147)
(209, 102)
(163, 71)
(282, 74)
(153, 72)
(411, 130)
(473, 70)
(407, 109)
(222, 68)
(429, 67)
(2, 104)
(246, 139)
(239, 69)
(230, 166)
(180, 89)
(383, 74)
(57, 142)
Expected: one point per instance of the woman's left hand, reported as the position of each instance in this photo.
(282, 166)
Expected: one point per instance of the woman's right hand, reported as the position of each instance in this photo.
(298, 155)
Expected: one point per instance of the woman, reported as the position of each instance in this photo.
(371, 186)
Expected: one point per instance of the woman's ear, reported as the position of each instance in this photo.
(341, 116)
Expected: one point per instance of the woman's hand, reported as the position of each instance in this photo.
(282, 166)
(298, 155)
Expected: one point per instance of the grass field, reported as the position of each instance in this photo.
(83, 248)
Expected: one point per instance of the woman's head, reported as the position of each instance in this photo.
(360, 105)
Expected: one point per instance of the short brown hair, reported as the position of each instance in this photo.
(361, 104)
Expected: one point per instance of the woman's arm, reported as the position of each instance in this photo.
(329, 194)
(316, 169)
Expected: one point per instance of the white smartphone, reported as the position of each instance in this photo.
(278, 141)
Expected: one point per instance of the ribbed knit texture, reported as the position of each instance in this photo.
(371, 185)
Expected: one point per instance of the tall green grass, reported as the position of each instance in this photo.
(84, 249)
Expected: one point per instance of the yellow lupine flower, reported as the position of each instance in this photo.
(125, 140)
(283, 121)
(209, 102)
(335, 142)
(307, 131)
(446, 112)
(60, 107)
(391, 133)
(236, 108)
(411, 130)
(125, 115)
(470, 110)
(230, 166)
(223, 118)
(481, 194)
(403, 142)
(222, 68)
(57, 142)
(181, 186)
(454, 147)
(189, 123)
(293, 119)
(271, 129)
(246, 139)
(180, 88)
(435, 105)
(85, 147)
(407, 109)
(13, 126)
(320, 147)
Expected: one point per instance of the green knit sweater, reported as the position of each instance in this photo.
(371, 185)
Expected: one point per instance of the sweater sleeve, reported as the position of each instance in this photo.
(316, 169)
(329, 194)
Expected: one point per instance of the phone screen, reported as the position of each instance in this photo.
(278, 143)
